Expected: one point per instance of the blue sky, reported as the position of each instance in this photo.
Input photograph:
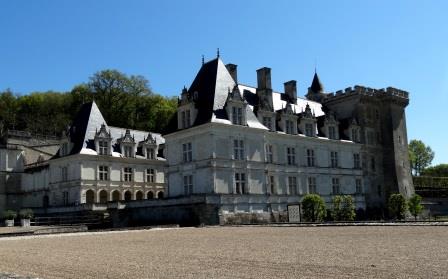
(54, 45)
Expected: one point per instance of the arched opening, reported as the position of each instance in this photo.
(150, 195)
(90, 196)
(160, 195)
(45, 201)
(115, 195)
(103, 196)
(139, 195)
(127, 196)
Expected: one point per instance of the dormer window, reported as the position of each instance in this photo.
(150, 153)
(127, 145)
(236, 107)
(237, 115)
(267, 122)
(355, 135)
(186, 119)
(289, 127)
(149, 147)
(103, 147)
(309, 130)
(103, 141)
(332, 132)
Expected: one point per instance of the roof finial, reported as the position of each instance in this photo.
(202, 59)
(217, 53)
(315, 67)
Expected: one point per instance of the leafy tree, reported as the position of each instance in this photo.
(437, 171)
(397, 206)
(420, 156)
(313, 207)
(343, 208)
(414, 204)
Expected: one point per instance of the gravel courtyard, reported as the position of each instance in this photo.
(233, 252)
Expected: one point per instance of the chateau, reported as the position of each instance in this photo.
(236, 148)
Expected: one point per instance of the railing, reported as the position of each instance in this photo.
(88, 220)
(421, 182)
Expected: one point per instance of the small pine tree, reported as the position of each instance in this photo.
(313, 207)
(414, 204)
(397, 206)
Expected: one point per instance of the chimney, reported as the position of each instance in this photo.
(291, 90)
(264, 78)
(232, 68)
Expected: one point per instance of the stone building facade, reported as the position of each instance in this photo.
(259, 151)
(97, 163)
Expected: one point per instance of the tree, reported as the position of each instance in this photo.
(313, 207)
(420, 156)
(397, 206)
(437, 171)
(414, 204)
(343, 208)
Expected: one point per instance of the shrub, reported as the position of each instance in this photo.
(9, 214)
(26, 213)
(397, 206)
(343, 208)
(414, 204)
(313, 207)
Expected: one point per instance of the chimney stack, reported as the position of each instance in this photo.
(264, 78)
(232, 68)
(291, 90)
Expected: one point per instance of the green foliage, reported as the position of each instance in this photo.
(26, 213)
(9, 214)
(397, 206)
(313, 207)
(343, 208)
(125, 101)
(436, 171)
(414, 204)
(430, 182)
(420, 156)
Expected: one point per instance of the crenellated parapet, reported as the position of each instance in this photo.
(390, 93)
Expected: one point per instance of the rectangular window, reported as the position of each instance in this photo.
(103, 173)
(356, 161)
(358, 186)
(240, 183)
(150, 153)
(309, 130)
(269, 154)
(64, 174)
(310, 157)
(237, 116)
(289, 124)
(127, 174)
(334, 159)
(267, 122)
(187, 152)
(65, 197)
(238, 150)
(188, 185)
(291, 155)
(150, 175)
(312, 185)
(355, 137)
(188, 118)
(331, 132)
(184, 120)
(103, 147)
(336, 186)
(292, 185)
(271, 184)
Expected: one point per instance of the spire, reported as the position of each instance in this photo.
(316, 85)
(203, 59)
(217, 53)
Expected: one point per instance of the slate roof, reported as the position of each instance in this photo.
(86, 124)
(316, 85)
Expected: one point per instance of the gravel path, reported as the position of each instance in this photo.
(233, 252)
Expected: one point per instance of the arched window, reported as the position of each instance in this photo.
(90, 196)
(160, 195)
(139, 195)
(103, 196)
(150, 195)
(115, 195)
(127, 196)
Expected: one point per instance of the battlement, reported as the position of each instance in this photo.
(367, 91)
